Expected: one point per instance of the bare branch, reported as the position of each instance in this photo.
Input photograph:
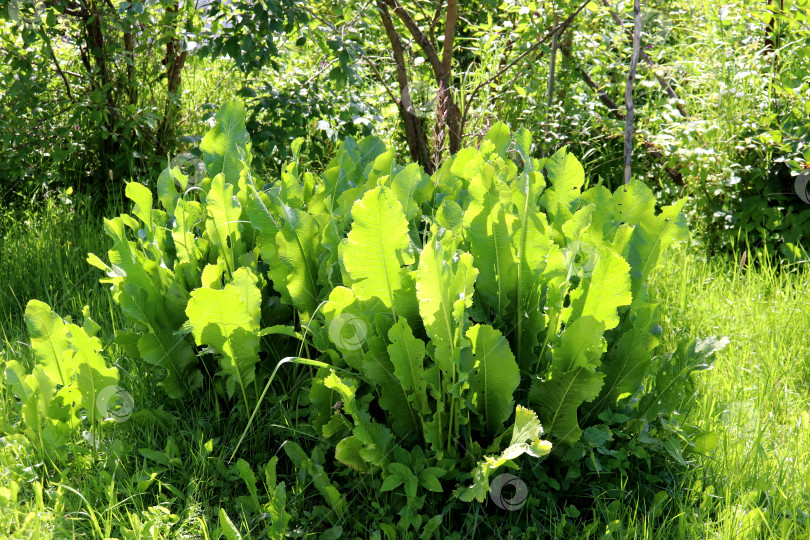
(61, 73)
(449, 35)
(420, 37)
(520, 57)
(628, 93)
(417, 142)
(652, 65)
(552, 66)
(613, 107)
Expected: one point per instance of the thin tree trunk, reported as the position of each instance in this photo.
(132, 84)
(175, 61)
(771, 41)
(628, 93)
(662, 81)
(450, 108)
(414, 135)
(58, 67)
(613, 107)
(438, 64)
(94, 43)
(552, 66)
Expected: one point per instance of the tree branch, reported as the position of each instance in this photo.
(61, 73)
(419, 36)
(628, 93)
(552, 67)
(449, 35)
(520, 57)
(613, 107)
(651, 64)
(417, 142)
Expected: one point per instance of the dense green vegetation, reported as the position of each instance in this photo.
(404, 269)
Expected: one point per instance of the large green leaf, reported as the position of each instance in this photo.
(142, 197)
(650, 239)
(674, 389)
(412, 187)
(490, 228)
(377, 249)
(295, 271)
(407, 355)
(500, 137)
(444, 287)
(227, 145)
(222, 227)
(93, 374)
(525, 440)
(557, 401)
(633, 201)
(566, 176)
(187, 215)
(171, 352)
(600, 294)
(228, 321)
(349, 322)
(49, 339)
(167, 190)
(292, 192)
(494, 378)
(535, 249)
(377, 440)
(625, 367)
(581, 345)
(379, 368)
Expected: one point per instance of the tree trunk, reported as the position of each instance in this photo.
(414, 135)
(175, 61)
(442, 67)
(628, 93)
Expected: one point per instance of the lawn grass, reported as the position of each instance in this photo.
(162, 474)
(756, 481)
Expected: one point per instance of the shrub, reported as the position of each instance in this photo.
(449, 316)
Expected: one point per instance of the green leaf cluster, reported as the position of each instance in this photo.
(451, 315)
(69, 386)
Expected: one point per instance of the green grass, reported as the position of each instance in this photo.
(44, 242)
(756, 398)
(164, 470)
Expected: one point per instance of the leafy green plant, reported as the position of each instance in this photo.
(453, 318)
(69, 386)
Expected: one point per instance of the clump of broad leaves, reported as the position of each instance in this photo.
(66, 387)
(484, 316)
